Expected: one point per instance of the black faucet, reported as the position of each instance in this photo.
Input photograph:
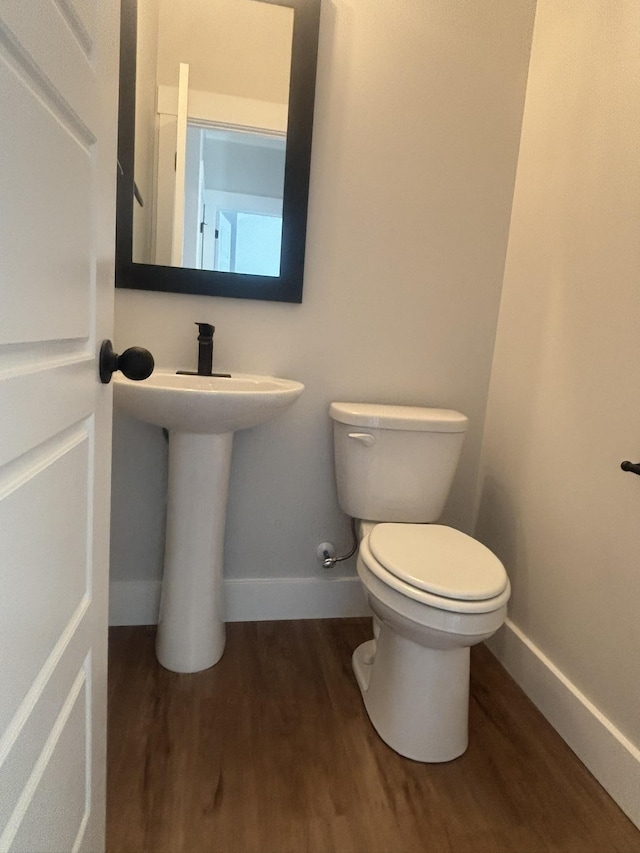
(205, 348)
(205, 353)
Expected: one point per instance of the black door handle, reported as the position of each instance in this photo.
(634, 467)
(135, 362)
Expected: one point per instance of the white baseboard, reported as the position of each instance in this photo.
(602, 748)
(253, 600)
(249, 600)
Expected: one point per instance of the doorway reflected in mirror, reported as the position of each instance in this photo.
(234, 180)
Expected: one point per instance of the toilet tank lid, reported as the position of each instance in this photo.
(383, 416)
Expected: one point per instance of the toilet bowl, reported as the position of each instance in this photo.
(414, 674)
(433, 590)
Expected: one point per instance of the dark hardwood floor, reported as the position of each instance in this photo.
(271, 751)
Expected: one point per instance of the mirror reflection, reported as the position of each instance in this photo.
(212, 92)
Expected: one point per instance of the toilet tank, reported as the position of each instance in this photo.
(395, 463)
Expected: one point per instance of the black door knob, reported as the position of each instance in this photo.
(135, 362)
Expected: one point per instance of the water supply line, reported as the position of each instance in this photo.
(326, 550)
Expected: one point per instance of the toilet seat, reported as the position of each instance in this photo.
(436, 565)
(438, 559)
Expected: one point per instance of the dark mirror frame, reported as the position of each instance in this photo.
(287, 287)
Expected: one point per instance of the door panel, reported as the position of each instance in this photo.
(24, 742)
(64, 79)
(50, 302)
(44, 397)
(60, 774)
(49, 597)
(58, 98)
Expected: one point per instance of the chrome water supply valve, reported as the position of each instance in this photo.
(326, 552)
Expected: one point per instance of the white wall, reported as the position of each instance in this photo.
(233, 46)
(237, 166)
(417, 124)
(563, 408)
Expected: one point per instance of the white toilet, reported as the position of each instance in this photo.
(434, 591)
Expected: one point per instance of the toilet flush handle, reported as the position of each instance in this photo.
(363, 437)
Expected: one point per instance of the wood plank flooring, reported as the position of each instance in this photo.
(271, 751)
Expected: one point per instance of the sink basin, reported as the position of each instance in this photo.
(208, 405)
(201, 413)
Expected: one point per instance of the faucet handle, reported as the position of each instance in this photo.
(206, 330)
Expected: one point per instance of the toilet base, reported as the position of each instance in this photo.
(417, 698)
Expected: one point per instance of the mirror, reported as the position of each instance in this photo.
(214, 145)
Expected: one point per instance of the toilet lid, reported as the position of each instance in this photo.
(439, 560)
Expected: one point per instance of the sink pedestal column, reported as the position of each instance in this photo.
(191, 633)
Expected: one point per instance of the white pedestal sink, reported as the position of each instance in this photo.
(201, 414)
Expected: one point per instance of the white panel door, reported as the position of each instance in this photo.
(58, 104)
